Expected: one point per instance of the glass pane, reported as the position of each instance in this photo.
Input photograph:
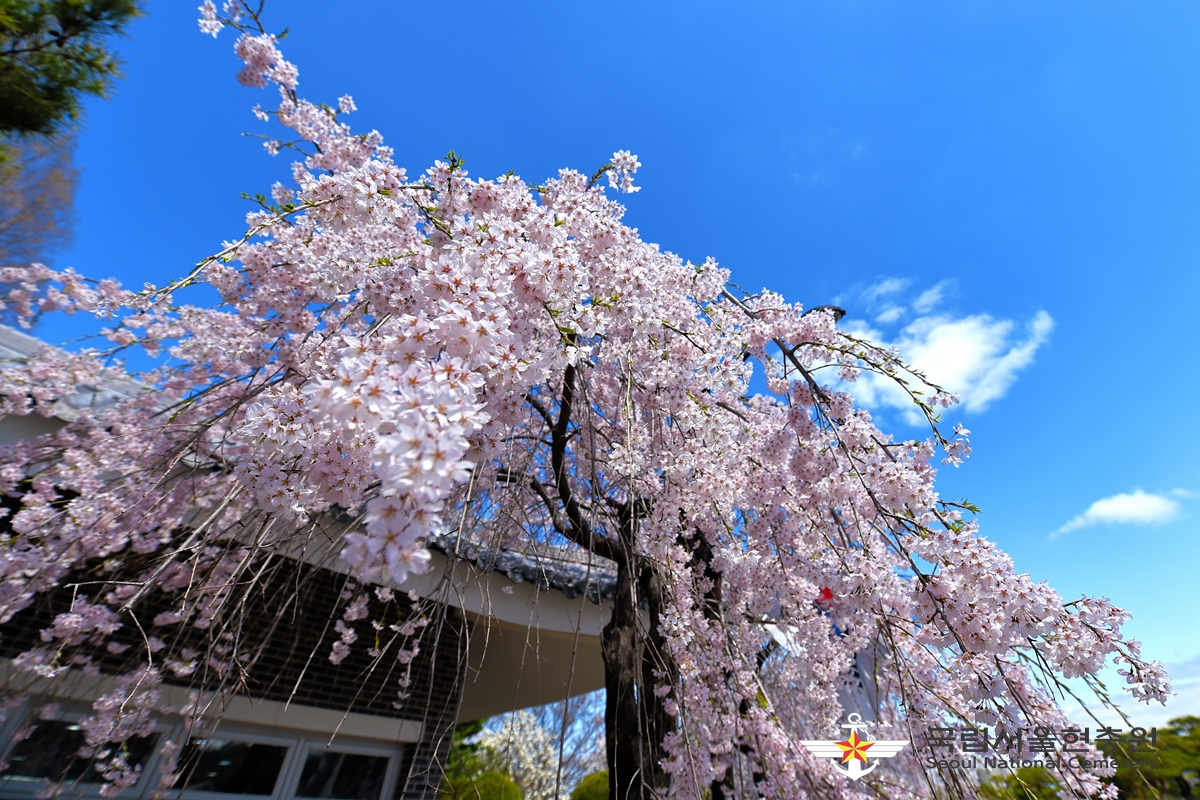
(221, 765)
(345, 776)
(52, 752)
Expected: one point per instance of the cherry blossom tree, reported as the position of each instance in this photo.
(396, 357)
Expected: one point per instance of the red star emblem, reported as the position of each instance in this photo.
(854, 748)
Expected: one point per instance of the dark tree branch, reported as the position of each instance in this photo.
(559, 437)
(601, 546)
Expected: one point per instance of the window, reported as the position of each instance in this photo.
(52, 753)
(346, 776)
(230, 767)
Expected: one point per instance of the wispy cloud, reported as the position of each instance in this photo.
(889, 315)
(977, 357)
(885, 287)
(1185, 699)
(930, 298)
(816, 177)
(1127, 508)
(1187, 670)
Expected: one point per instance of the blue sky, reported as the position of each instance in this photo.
(1007, 190)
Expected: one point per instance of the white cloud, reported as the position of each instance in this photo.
(976, 357)
(930, 298)
(885, 287)
(1127, 508)
(890, 314)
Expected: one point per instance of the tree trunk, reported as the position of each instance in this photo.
(636, 720)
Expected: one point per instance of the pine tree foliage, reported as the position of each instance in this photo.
(52, 54)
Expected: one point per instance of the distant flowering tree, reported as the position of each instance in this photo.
(546, 754)
(528, 751)
(431, 353)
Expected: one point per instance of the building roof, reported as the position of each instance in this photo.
(549, 567)
(17, 346)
